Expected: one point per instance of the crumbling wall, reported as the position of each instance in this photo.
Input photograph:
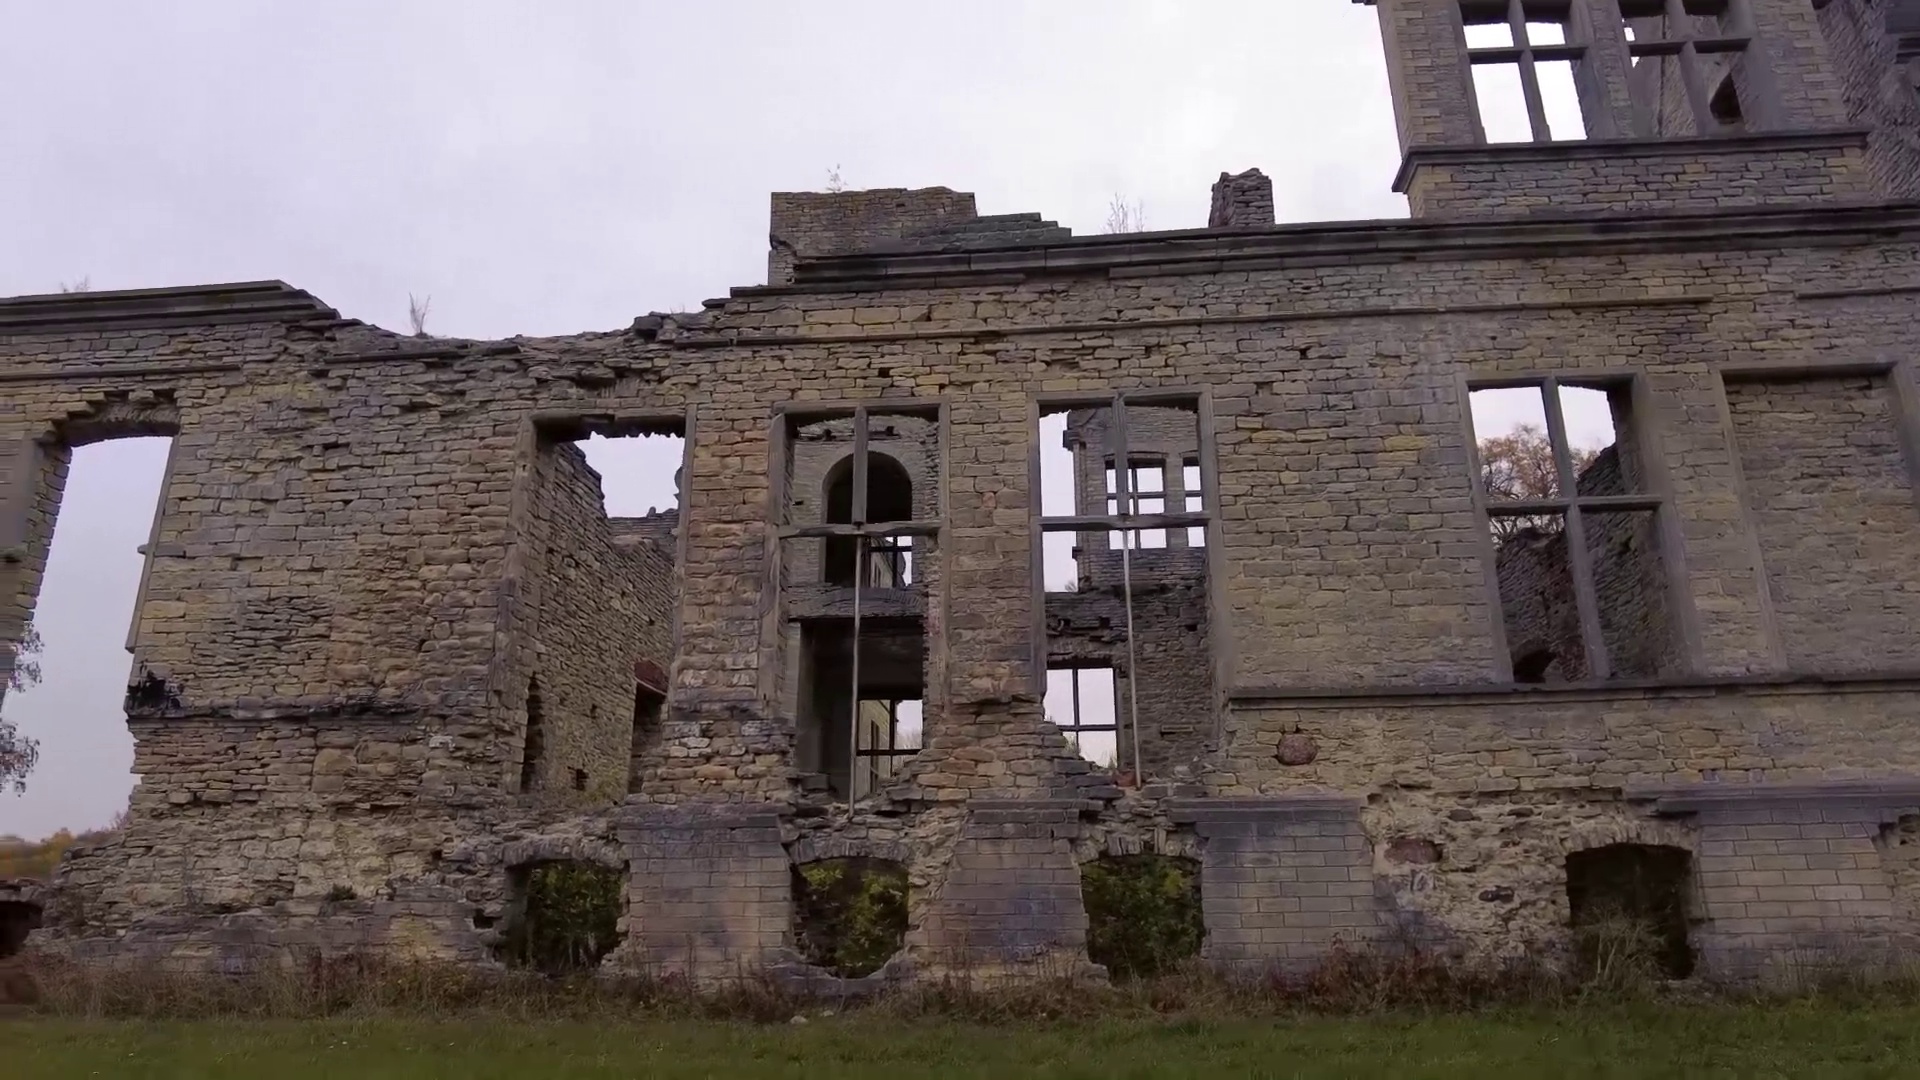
(1831, 499)
(1170, 664)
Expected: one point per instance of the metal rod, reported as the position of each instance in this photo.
(853, 747)
(1133, 696)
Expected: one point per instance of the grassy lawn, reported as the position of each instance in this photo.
(1806, 1041)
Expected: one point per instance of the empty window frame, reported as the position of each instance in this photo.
(867, 535)
(1706, 41)
(1524, 46)
(1163, 499)
(1146, 487)
(1591, 511)
(887, 733)
(1084, 703)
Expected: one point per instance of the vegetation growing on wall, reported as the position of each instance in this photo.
(567, 919)
(851, 913)
(1143, 912)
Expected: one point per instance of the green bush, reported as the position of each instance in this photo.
(852, 913)
(568, 917)
(1143, 912)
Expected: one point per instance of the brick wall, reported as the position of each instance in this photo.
(1832, 502)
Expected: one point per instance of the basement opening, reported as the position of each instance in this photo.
(564, 916)
(87, 563)
(1629, 905)
(17, 919)
(1143, 913)
(850, 914)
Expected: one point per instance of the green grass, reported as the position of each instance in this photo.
(1644, 1042)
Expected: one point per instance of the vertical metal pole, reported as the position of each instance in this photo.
(859, 516)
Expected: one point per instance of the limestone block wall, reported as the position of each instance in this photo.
(1831, 496)
(1170, 664)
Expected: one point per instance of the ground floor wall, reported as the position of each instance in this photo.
(1449, 824)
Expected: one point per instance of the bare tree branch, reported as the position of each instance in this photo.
(417, 314)
(1126, 217)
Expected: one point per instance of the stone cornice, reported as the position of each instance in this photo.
(191, 305)
(1202, 251)
(1625, 150)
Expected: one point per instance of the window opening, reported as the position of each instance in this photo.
(648, 703)
(1574, 531)
(1523, 64)
(1195, 501)
(533, 745)
(1147, 488)
(889, 733)
(1140, 535)
(1699, 37)
(1083, 703)
(66, 726)
(862, 650)
(1628, 903)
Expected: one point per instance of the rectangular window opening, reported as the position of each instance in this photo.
(1577, 557)
(1503, 103)
(99, 509)
(1084, 703)
(858, 529)
(1560, 96)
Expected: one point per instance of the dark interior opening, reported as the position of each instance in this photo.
(889, 498)
(1633, 895)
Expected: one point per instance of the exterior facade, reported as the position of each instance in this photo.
(390, 651)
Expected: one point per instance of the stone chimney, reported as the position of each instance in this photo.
(1241, 202)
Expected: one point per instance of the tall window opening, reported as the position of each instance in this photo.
(648, 701)
(533, 744)
(888, 562)
(1690, 57)
(1524, 69)
(602, 538)
(1574, 531)
(858, 521)
(1122, 530)
(86, 509)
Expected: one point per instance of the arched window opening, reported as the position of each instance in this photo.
(889, 561)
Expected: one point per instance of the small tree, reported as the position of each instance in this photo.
(834, 183)
(1519, 465)
(17, 752)
(1126, 217)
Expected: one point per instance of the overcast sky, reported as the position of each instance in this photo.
(558, 167)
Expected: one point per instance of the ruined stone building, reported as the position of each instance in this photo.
(391, 652)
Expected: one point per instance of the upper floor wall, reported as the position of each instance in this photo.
(1681, 103)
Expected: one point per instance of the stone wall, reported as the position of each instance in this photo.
(371, 544)
(1831, 498)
